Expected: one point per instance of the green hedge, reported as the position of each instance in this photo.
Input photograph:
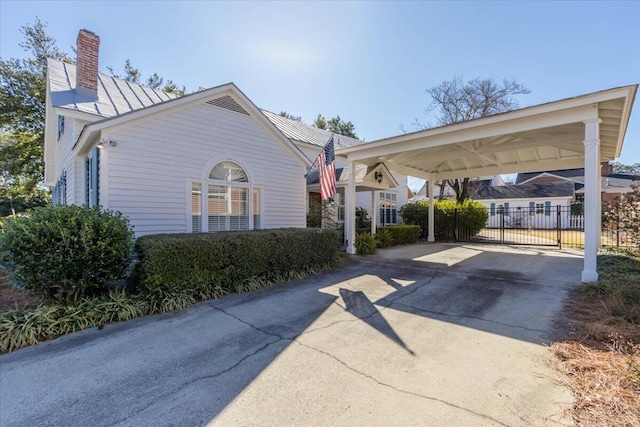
(232, 261)
(472, 217)
(402, 234)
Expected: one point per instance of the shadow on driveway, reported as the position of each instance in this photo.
(417, 334)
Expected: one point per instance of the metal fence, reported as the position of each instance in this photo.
(537, 226)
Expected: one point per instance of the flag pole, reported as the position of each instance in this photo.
(318, 156)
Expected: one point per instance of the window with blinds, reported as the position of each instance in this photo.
(196, 207)
(256, 209)
(225, 201)
(228, 208)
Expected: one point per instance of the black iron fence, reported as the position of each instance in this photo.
(537, 225)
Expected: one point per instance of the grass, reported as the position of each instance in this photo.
(601, 361)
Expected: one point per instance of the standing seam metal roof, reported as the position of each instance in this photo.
(303, 132)
(115, 96)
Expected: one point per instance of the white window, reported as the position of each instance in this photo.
(196, 207)
(338, 199)
(388, 209)
(230, 201)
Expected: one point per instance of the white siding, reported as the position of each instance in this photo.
(67, 161)
(154, 159)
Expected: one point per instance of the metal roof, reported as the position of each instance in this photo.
(303, 132)
(564, 173)
(526, 191)
(115, 96)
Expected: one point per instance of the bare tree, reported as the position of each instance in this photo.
(456, 101)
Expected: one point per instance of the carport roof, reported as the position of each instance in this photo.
(542, 137)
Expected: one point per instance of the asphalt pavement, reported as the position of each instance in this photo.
(427, 334)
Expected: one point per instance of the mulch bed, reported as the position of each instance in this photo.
(600, 363)
(12, 298)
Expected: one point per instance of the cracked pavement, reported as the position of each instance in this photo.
(429, 334)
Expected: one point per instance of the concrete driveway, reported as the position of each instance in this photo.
(428, 334)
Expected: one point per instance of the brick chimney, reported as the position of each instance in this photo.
(605, 169)
(88, 46)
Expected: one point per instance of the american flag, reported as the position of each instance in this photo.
(327, 171)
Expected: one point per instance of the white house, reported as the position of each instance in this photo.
(376, 186)
(208, 161)
(528, 205)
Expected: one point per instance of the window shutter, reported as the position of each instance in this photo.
(493, 209)
(506, 209)
(547, 208)
(95, 180)
(87, 180)
(532, 208)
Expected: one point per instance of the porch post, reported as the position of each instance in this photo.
(591, 199)
(350, 210)
(374, 213)
(599, 214)
(431, 190)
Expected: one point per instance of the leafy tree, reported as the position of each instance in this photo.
(289, 116)
(622, 168)
(456, 101)
(22, 109)
(133, 75)
(624, 215)
(336, 125)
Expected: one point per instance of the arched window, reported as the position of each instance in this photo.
(230, 202)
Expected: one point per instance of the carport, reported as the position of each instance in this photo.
(571, 133)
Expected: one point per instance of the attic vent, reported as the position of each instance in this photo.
(228, 103)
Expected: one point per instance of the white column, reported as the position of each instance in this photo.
(432, 228)
(599, 215)
(591, 199)
(374, 213)
(350, 210)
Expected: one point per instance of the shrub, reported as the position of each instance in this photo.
(384, 238)
(401, 234)
(624, 215)
(365, 244)
(362, 218)
(66, 252)
(472, 217)
(231, 261)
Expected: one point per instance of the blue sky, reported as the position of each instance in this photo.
(369, 62)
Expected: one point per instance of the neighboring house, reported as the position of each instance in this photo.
(208, 161)
(612, 185)
(528, 205)
(475, 184)
(375, 186)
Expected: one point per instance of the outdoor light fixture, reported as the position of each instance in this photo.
(378, 176)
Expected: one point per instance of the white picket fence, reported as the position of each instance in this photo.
(576, 222)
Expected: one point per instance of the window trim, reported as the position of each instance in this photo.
(205, 182)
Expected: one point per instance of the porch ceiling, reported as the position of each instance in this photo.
(543, 137)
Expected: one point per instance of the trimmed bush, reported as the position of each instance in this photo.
(472, 217)
(402, 234)
(66, 252)
(232, 261)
